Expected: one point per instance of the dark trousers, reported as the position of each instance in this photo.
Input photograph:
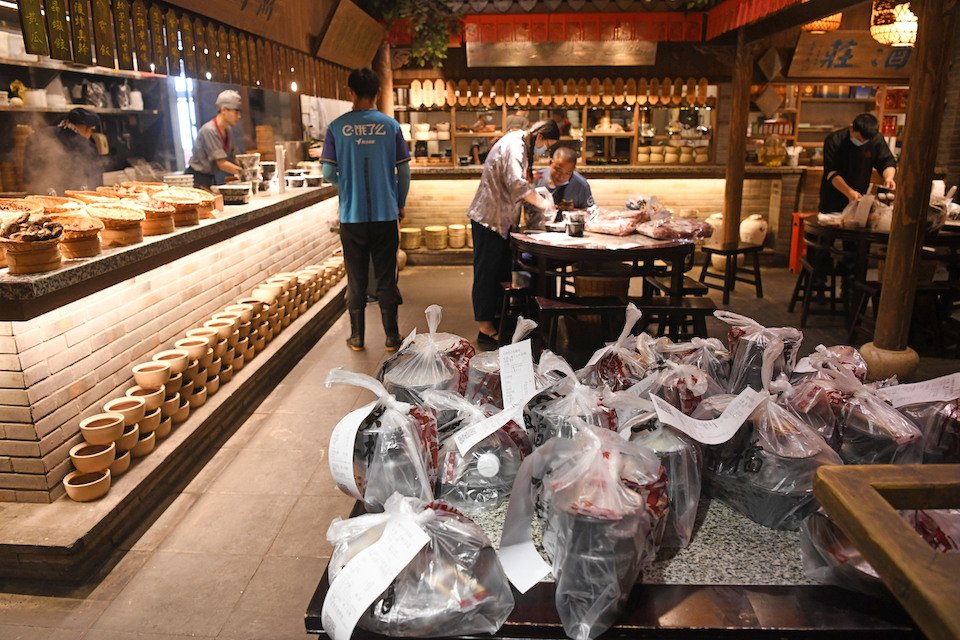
(364, 242)
(492, 263)
(201, 180)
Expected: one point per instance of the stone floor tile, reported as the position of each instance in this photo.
(168, 521)
(14, 632)
(48, 611)
(274, 602)
(234, 524)
(107, 634)
(308, 398)
(181, 593)
(283, 431)
(304, 533)
(276, 472)
(321, 482)
(212, 470)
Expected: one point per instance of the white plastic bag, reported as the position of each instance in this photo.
(554, 417)
(759, 354)
(483, 374)
(707, 354)
(618, 365)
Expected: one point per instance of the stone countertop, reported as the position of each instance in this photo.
(616, 171)
(23, 297)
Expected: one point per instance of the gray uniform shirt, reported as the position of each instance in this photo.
(209, 148)
(496, 205)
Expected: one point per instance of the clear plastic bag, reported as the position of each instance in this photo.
(396, 446)
(429, 361)
(483, 477)
(685, 386)
(569, 399)
(454, 586)
(841, 356)
(619, 365)
(765, 471)
(939, 527)
(676, 229)
(940, 424)
(605, 507)
(759, 354)
(873, 432)
(819, 399)
(830, 558)
(483, 374)
(707, 354)
(682, 460)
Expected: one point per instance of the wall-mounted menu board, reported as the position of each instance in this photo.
(32, 26)
(121, 27)
(59, 29)
(351, 38)
(141, 35)
(173, 47)
(103, 32)
(80, 25)
(159, 57)
(187, 40)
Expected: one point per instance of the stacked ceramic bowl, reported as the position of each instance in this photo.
(179, 179)
(250, 170)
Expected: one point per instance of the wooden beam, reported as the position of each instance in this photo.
(937, 19)
(791, 17)
(737, 155)
(383, 65)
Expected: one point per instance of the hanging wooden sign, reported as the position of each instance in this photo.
(523, 93)
(199, 44)
(497, 92)
(223, 46)
(463, 93)
(848, 54)
(510, 93)
(159, 48)
(618, 98)
(631, 89)
(245, 60)
(173, 42)
(607, 91)
(212, 46)
(189, 52)
(582, 90)
(58, 29)
(80, 25)
(254, 53)
(103, 33)
(277, 72)
(121, 30)
(534, 92)
(236, 73)
(141, 35)
(546, 92)
(486, 89)
(33, 27)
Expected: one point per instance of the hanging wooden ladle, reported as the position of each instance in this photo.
(654, 93)
(594, 91)
(691, 92)
(523, 93)
(486, 90)
(583, 90)
(665, 88)
(570, 93)
(546, 92)
(510, 93)
(677, 97)
(463, 93)
(631, 92)
(534, 92)
(607, 89)
(618, 97)
(498, 92)
(474, 93)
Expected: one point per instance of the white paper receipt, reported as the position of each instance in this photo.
(516, 373)
(340, 451)
(715, 431)
(468, 437)
(369, 574)
(936, 390)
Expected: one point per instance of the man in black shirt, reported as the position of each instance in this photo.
(849, 157)
(63, 156)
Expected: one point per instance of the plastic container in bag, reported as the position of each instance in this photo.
(759, 354)
(940, 424)
(830, 558)
(685, 386)
(483, 477)
(428, 361)
(572, 401)
(707, 354)
(605, 508)
(841, 356)
(483, 373)
(454, 586)
(394, 446)
(620, 365)
(765, 471)
(873, 432)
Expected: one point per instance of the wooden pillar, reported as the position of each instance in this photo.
(382, 64)
(736, 159)
(937, 19)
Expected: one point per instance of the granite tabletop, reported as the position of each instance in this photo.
(25, 296)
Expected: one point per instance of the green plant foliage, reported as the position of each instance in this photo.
(431, 22)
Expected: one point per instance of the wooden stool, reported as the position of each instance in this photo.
(661, 286)
(681, 320)
(516, 302)
(550, 311)
(730, 278)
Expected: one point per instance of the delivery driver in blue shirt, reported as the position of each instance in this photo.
(365, 155)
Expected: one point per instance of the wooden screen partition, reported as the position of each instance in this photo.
(863, 500)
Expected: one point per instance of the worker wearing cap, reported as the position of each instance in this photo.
(63, 156)
(215, 145)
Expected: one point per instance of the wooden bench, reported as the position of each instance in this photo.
(678, 320)
(661, 286)
(730, 278)
(550, 311)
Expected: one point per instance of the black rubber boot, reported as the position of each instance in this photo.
(390, 328)
(355, 341)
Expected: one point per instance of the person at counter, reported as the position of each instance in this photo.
(560, 117)
(506, 182)
(849, 157)
(215, 145)
(63, 156)
(365, 155)
(564, 182)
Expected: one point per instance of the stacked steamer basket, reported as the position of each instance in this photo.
(208, 202)
(186, 207)
(436, 237)
(81, 235)
(250, 170)
(235, 192)
(122, 223)
(30, 239)
(179, 180)
(410, 238)
(91, 197)
(158, 215)
(457, 236)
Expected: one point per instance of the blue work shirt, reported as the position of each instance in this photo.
(366, 146)
(577, 191)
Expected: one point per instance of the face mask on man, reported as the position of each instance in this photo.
(540, 151)
(856, 142)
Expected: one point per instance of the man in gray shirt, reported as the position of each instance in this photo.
(215, 144)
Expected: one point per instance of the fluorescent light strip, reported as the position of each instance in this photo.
(8, 5)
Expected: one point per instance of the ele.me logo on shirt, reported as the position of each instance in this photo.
(353, 130)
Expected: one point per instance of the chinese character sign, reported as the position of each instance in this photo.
(848, 54)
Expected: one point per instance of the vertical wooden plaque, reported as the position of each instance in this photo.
(189, 47)
(223, 47)
(103, 33)
(159, 57)
(58, 29)
(141, 35)
(80, 25)
(244, 43)
(172, 28)
(121, 27)
(213, 63)
(33, 27)
(236, 74)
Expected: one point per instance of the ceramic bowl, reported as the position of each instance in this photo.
(164, 429)
(153, 398)
(265, 296)
(303, 308)
(129, 438)
(183, 411)
(226, 373)
(173, 384)
(176, 358)
(244, 329)
(276, 287)
(170, 405)
(145, 445)
(284, 299)
(213, 385)
(91, 458)
(262, 329)
(205, 359)
(190, 373)
(246, 311)
(195, 347)
(121, 464)
(232, 339)
(259, 343)
(242, 345)
(84, 487)
(214, 368)
(237, 363)
(249, 354)
(228, 315)
(150, 422)
(220, 349)
(288, 276)
(256, 303)
(223, 326)
(102, 428)
(151, 375)
(132, 409)
(201, 378)
(204, 332)
(198, 398)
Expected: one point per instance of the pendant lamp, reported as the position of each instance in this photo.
(893, 23)
(824, 25)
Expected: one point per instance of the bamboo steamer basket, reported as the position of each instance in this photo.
(91, 197)
(81, 235)
(208, 201)
(121, 223)
(32, 257)
(435, 237)
(186, 207)
(53, 205)
(123, 236)
(457, 236)
(158, 216)
(410, 238)
(14, 208)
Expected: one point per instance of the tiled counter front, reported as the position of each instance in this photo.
(60, 367)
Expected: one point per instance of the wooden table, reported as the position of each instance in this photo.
(594, 251)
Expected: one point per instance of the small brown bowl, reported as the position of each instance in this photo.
(129, 438)
(150, 422)
(145, 445)
(102, 428)
(206, 359)
(132, 409)
(170, 405)
(246, 311)
(121, 464)
(226, 373)
(153, 398)
(183, 412)
(91, 458)
(173, 384)
(166, 426)
(199, 397)
(151, 375)
(195, 347)
(176, 358)
(204, 332)
(84, 487)
(213, 385)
